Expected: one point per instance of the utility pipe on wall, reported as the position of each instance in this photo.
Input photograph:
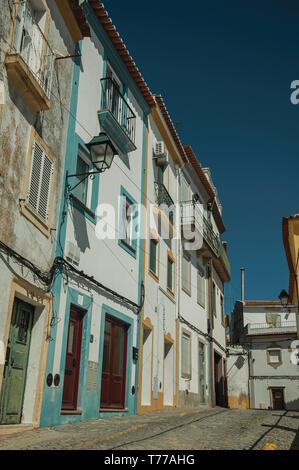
(242, 284)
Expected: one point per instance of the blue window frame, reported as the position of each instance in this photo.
(85, 196)
(128, 223)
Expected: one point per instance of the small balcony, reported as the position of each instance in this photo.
(194, 222)
(222, 263)
(257, 329)
(29, 67)
(164, 211)
(116, 117)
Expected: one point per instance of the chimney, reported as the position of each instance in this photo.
(242, 285)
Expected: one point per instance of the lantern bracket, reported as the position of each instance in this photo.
(90, 174)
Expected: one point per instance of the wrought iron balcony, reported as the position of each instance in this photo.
(191, 215)
(224, 260)
(162, 195)
(30, 66)
(116, 116)
(210, 235)
(271, 329)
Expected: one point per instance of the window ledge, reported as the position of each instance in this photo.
(82, 206)
(188, 292)
(113, 410)
(34, 218)
(170, 292)
(153, 275)
(71, 412)
(128, 248)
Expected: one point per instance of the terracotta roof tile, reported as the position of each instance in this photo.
(121, 49)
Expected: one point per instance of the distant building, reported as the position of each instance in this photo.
(290, 236)
(267, 332)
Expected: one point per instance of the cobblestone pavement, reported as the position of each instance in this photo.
(208, 429)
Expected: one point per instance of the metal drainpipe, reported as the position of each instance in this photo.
(178, 250)
(210, 332)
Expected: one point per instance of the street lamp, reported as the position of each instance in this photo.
(102, 152)
(284, 298)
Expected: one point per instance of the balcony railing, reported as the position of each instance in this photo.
(192, 214)
(114, 102)
(267, 328)
(31, 44)
(162, 195)
(210, 235)
(224, 257)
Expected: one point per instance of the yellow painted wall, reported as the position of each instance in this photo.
(294, 248)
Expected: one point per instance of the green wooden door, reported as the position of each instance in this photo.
(13, 385)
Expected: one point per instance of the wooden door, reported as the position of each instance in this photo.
(15, 369)
(277, 398)
(114, 364)
(72, 361)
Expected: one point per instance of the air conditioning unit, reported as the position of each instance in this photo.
(160, 153)
(73, 253)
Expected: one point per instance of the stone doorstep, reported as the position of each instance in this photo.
(6, 430)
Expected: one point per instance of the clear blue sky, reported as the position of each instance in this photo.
(224, 69)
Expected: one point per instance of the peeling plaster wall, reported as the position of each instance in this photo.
(16, 231)
(15, 126)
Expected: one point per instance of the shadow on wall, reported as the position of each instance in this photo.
(80, 229)
(292, 405)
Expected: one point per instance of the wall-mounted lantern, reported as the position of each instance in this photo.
(102, 153)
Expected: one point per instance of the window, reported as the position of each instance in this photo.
(214, 299)
(201, 289)
(128, 223)
(82, 191)
(170, 272)
(39, 183)
(29, 40)
(222, 308)
(185, 191)
(274, 356)
(186, 274)
(186, 354)
(153, 256)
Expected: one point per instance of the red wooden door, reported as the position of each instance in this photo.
(114, 364)
(72, 361)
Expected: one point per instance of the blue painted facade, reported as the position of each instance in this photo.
(68, 290)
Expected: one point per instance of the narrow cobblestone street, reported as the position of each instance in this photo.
(202, 429)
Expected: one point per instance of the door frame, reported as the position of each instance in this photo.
(129, 397)
(31, 311)
(271, 389)
(36, 297)
(77, 382)
(168, 339)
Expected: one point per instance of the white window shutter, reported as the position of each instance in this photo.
(40, 181)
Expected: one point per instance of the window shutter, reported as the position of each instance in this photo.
(123, 217)
(185, 273)
(200, 288)
(35, 176)
(185, 354)
(45, 187)
(169, 273)
(153, 255)
(40, 181)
